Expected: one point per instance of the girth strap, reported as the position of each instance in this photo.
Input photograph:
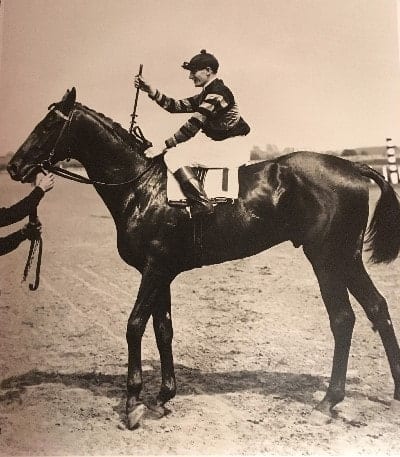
(198, 241)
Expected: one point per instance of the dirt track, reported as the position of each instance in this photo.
(252, 345)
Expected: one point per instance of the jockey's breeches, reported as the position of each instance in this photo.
(201, 151)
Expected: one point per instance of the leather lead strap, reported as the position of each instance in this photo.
(36, 246)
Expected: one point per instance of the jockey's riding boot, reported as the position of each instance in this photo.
(194, 192)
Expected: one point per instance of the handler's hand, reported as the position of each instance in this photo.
(155, 151)
(45, 182)
(32, 230)
(141, 84)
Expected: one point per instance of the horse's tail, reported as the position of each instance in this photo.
(383, 234)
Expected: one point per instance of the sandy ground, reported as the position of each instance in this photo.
(252, 345)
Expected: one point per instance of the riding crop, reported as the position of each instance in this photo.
(133, 115)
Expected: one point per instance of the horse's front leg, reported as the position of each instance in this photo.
(150, 289)
(162, 323)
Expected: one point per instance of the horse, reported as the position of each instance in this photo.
(317, 201)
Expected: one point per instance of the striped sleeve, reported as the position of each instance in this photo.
(212, 104)
(186, 105)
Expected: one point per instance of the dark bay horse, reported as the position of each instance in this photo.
(316, 201)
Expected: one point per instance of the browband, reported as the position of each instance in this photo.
(59, 113)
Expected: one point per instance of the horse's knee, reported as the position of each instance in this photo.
(135, 329)
(164, 334)
(343, 322)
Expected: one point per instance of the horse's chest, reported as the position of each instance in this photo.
(132, 247)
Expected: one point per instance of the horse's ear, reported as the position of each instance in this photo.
(68, 100)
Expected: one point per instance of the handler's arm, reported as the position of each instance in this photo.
(21, 209)
(12, 241)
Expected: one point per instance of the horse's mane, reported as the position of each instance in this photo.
(113, 127)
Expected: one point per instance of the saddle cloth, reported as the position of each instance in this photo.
(221, 185)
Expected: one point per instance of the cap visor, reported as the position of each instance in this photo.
(187, 66)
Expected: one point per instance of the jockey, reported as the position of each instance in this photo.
(215, 113)
(21, 210)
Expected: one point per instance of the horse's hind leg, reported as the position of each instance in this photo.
(375, 306)
(341, 316)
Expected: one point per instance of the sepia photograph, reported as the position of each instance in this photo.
(199, 227)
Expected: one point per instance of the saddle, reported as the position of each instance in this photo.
(221, 186)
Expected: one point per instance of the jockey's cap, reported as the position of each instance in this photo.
(201, 61)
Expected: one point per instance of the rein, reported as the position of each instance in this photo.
(37, 244)
(82, 180)
(46, 165)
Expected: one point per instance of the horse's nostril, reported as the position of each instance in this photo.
(12, 169)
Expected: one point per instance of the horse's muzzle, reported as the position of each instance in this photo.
(23, 173)
(13, 171)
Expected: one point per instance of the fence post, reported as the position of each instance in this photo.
(391, 171)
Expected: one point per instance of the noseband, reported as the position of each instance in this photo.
(49, 167)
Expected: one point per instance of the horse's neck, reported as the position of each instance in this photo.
(107, 158)
(103, 152)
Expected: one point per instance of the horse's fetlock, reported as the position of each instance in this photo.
(132, 402)
(166, 393)
(133, 389)
(334, 396)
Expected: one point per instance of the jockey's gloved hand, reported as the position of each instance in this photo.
(155, 151)
(32, 230)
(141, 84)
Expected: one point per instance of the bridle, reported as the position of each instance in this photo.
(47, 165)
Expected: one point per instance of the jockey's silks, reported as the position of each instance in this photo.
(215, 112)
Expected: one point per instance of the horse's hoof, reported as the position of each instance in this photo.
(318, 418)
(156, 412)
(134, 416)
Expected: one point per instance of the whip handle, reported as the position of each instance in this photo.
(136, 101)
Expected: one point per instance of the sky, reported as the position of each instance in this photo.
(308, 74)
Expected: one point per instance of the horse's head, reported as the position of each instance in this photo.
(44, 143)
